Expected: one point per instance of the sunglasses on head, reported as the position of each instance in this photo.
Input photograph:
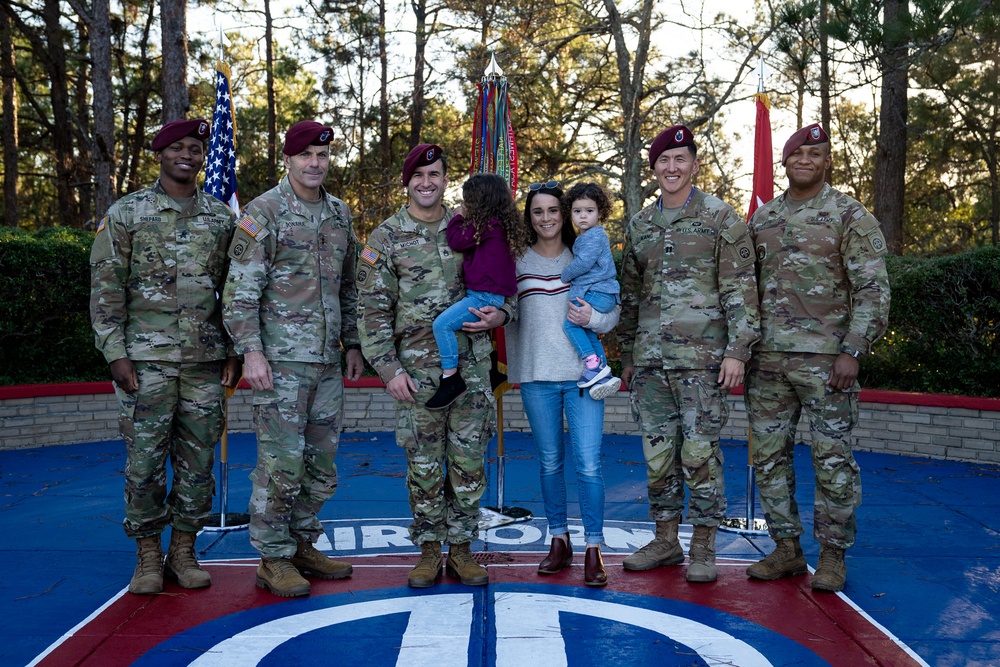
(550, 185)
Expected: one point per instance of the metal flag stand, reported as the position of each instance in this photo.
(224, 112)
(495, 152)
(749, 525)
(225, 520)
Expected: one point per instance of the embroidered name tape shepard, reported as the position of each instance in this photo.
(248, 225)
(369, 255)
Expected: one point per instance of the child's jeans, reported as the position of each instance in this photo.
(451, 320)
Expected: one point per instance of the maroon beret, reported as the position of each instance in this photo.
(178, 129)
(306, 133)
(421, 156)
(672, 137)
(807, 136)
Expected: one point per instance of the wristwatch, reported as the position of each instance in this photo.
(853, 351)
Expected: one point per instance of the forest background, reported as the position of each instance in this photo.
(910, 92)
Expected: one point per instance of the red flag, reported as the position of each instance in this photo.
(763, 156)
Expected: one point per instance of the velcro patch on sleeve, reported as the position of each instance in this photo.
(370, 255)
(249, 225)
(243, 242)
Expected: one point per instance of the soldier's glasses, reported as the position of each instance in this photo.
(550, 185)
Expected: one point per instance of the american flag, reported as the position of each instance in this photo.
(220, 173)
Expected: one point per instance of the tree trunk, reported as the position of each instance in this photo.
(825, 117)
(890, 152)
(631, 69)
(173, 84)
(67, 211)
(103, 150)
(272, 114)
(10, 165)
(385, 139)
(83, 157)
(420, 35)
(134, 141)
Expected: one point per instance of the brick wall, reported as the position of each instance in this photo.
(942, 427)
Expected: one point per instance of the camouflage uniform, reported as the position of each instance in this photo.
(823, 290)
(689, 299)
(407, 275)
(156, 271)
(291, 294)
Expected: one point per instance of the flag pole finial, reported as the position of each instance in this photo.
(760, 75)
(493, 69)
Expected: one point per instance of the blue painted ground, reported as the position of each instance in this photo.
(926, 566)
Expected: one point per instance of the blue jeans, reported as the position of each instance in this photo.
(452, 319)
(544, 404)
(584, 340)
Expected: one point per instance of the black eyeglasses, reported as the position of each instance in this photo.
(550, 185)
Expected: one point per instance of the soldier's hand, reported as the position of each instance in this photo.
(124, 375)
(489, 318)
(231, 368)
(402, 387)
(844, 373)
(257, 370)
(628, 372)
(731, 373)
(355, 365)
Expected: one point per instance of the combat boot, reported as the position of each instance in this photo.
(461, 564)
(428, 568)
(148, 576)
(181, 564)
(663, 550)
(309, 560)
(279, 576)
(785, 561)
(701, 559)
(831, 572)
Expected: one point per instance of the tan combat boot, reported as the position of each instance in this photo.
(279, 576)
(310, 560)
(831, 572)
(148, 576)
(785, 561)
(428, 568)
(701, 559)
(461, 564)
(181, 565)
(663, 550)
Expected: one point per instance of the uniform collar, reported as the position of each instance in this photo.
(165, 202)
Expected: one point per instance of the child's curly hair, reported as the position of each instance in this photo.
(486, 197)
(595, 192)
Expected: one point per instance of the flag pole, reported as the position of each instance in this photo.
(224, 520)
(495, 151)
(763, 160)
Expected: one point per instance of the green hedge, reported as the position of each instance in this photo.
(942, 338)
(943, 326)
(45, 333)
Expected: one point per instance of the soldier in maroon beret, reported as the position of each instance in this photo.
(158, 266)
(689, 317)
(824, 297)
(290, 305)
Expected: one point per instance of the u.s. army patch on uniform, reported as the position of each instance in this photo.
(248, 233)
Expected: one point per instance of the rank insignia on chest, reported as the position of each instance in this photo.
(370, 255)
